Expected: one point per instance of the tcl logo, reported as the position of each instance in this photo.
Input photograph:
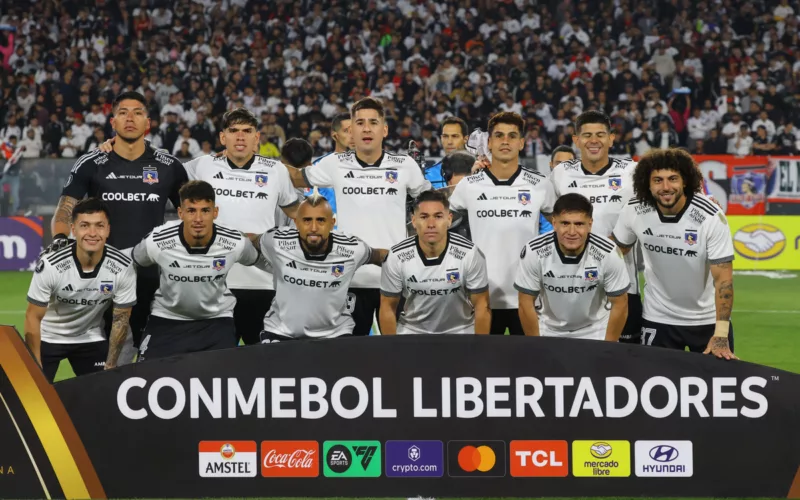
(289, 459)
(539, 458)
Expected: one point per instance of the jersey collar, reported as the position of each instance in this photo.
(600, 172)
(148, 154)
(246, 166)
(569, 260)
(432, 262)
(677, 217)
(196, 251)
(320, 257)
(367, 165)
(508, 182)
(85, 275)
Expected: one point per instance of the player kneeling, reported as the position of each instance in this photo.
(441, 275)
(71, 290)
(574, 270)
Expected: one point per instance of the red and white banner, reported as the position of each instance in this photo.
(784, 179)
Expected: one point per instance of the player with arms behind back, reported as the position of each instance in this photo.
(441, 275)
(688, 253)
(574, 271)
(70, 291)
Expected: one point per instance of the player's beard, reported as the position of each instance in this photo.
(317, 248)
(676, 199)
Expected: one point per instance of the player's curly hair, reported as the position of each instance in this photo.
(676, 160)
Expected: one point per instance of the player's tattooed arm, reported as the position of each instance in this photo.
(119, 331)
(63, 216)
(377, 256)
(723, 285)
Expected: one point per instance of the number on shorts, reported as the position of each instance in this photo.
(350, 305)
(648, 334)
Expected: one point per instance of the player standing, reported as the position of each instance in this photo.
(371, 187)
(608, 184)
(503, 204)
(688, 254)
(343, 140)
(454, 138)
(135, 181)
(69, 292)
(575, 272)
(441, 275)
(312, 265)
(193, 308)
(561, 154)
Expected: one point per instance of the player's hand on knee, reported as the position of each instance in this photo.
(107, 146)
(719, 347)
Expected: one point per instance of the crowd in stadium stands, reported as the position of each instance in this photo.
(714, 76)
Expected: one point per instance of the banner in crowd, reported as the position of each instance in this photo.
(784, 179)
(766, 243)
(455, 415)
(20, 242)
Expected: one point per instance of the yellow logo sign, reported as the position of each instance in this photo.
(759, 241)
(601, 458)
(766, 242)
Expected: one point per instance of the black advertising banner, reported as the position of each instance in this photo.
(456, 416)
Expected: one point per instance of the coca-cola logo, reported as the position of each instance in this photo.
(298, 459)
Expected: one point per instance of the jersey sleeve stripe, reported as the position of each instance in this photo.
(617, 293)
(706, 205)
(124, 306)
(460, 239)
(163, 237)
(721, 260)
(390, 294)
(125, 262)
(603, 244)
(36, 302)
(403, 244)
(704, 209)
(118, 255)
(635, 201)
(58, 254)
(526, 291)
(233, 232)
(478, 290)
(85, 158)
(64, 257)
(462, 245)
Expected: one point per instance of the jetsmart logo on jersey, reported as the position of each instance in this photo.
(240, 193)
(130, 197)
(663, 249)
(369, 190)
(504, 213)
(649, 232)
(112, 176)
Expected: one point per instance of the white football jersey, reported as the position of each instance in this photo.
(311, 298)
(437, 290)
(573, 289)
(370, 199)
(503, 215)
(608, 191)
(678, 251)
(249, 200)
(76, 300)
(192, 280)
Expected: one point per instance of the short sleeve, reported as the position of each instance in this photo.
(417, 183)
(249, 254)
(623, 231)
(458, 198)
(363, 253)
(180, 176)
(287, 193)
(125, 293)
(528, 278)
(475, 268)
(266, 243)
(41, 288)
(554, 178)
(322, 172)
(80, 178)
(191, 168)
(141, 253)
(616, 280)
(549, 198)
(719, 244)
(391, 276)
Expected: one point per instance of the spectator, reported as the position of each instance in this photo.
(31, 145)
(68, 145)
(764, 121)
(743, 143)
(192, 148)
(731, 130)
(787, 140)
(761, 142)
(95, 140)
(665, 137)
(717, 144)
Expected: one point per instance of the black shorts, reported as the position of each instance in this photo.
(88, 357)
(680, 336)
(248, 315)
(506, 318)
(363, 304)
(632, 332)
(169, 337)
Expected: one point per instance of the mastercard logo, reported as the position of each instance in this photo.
(476, 458)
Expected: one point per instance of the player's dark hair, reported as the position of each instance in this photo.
(457, 163)
(676, 160)
(90, 206)
(316, 199)
(128, 96)
(509, 118)
(239, 116)
(432, 195)
(592, 116)
(197, 191)
(454, 120)
(561, 149)
(297, 153)
(336, 123)
(368, 103)
(572, 202)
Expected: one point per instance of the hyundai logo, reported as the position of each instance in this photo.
(663, 453)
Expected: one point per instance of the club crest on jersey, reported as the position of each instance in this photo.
(106, 287)
(337, 270)
(261, 180)
(690, 237)
(218, 264)
(391, 176)
(452, 277)
(150, 176)
(591, 274)
(524, 197)
(615, 183)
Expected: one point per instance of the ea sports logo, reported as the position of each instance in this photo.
(759, 241)
(600, 450)
(227, 451)
(481, 458)
(339, 458)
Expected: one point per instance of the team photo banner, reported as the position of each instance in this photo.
(468, 416)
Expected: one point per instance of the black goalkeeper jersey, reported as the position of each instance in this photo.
(136, 191)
